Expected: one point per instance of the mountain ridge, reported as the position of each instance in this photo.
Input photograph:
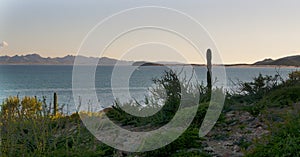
(36, 59)
(284, 61)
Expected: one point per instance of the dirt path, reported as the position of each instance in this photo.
(235, 135)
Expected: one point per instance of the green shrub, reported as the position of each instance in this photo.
(284, 140)
(251, 92)
(294, 76)
(171, 85)
(264, 92)
(189, 139)
(27, 131)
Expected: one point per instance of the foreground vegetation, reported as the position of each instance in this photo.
(29, 128)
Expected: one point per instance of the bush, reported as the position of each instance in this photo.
(294, 76)
(14, 109)
(27, 130)
(294, 79)
(189, 139)
(251, 92)
(266, 91)
(171, 85)
(23, 127)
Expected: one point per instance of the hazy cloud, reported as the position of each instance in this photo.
(3, 44)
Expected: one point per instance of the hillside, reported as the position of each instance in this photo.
(285, 61)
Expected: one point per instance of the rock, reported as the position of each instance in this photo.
(239, 126)
(236, 148)
(228, 143)
(233, 123)
(209, 149)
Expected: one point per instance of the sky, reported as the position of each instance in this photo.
(243, 31)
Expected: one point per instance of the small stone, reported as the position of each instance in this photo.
(228, 129)
(228, 144)
(209, 149)
(236, 148)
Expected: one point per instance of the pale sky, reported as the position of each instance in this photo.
(243, 31)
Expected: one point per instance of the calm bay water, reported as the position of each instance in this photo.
(44, 80)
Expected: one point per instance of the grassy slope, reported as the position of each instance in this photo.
(31, 133)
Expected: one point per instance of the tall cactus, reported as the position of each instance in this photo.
(54, 104)
(209, 66)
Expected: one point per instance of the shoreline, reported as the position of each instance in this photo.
(156, 64)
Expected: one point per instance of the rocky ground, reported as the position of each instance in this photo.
(236, 131)
(239, 130)
(235, 135)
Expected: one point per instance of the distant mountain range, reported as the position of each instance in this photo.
(285, 61)
(69, 60)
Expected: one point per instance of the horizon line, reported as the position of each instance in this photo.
(72, 55)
